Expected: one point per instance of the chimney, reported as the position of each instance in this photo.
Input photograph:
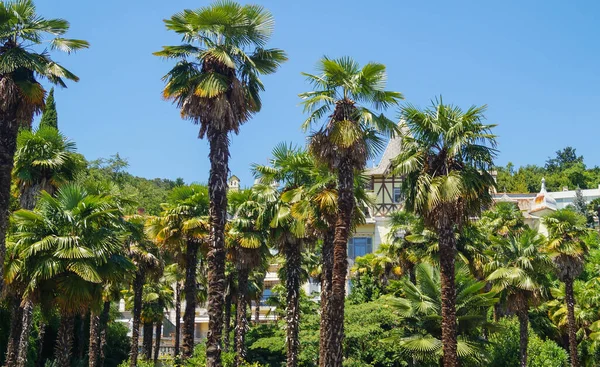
(565, 188)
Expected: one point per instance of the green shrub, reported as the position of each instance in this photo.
(504, 348)
(199, 358)
(117, 344)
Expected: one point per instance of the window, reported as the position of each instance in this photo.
(359, 246)
(267, 293)
(397, 195)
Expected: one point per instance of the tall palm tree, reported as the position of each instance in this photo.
(216, 84)
(22, 30)
(183, 227)
(348, 138)
(446, 154)
(65, 245)
(145, 256)
(248, 242)
(290, 167)
(567, 246)
(517, 274)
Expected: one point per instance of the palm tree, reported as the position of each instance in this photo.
(44, 159)
(292, 168)
(157, 296)
(410, 242)
(419, 304)
(216, 84)
(446, 154)
(147, 261)
(503, 219)
(65, 245)
(517, 274)
(183, 228)
(21, 94)
(174, 275)
(114, 275)
(248, 242)
(567, 247)
(345, 142)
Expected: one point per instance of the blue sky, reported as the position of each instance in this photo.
(534, 63)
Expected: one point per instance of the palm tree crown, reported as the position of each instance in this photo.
(220, 62)
(446, 158)
(347, 91)
(67, 242)
(21, 29)
(45, 157)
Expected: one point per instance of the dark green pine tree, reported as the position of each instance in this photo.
(50, 116)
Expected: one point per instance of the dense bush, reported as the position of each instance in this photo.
(504, 348)
(117, 344)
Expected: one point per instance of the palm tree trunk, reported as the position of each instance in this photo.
(147, 341)
(64, 341)
(138, 287)
(217, 190)
(293, 264)
(257, 310)
(326, 278)
(227, 320)
(103, 330)
(447, 249)
(15, 332)
(241, 319)
(340, 263)
(25, 330)
(157, 340)
(29, 196)
(39, 362)
(94, 350)
(177, 318)
(190, 290)
(524, 335)
(9, 127)
(570, 299)
(80, 337)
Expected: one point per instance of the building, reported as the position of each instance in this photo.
(536, 206)
(387, 196)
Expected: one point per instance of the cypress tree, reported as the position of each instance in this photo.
(50, 116)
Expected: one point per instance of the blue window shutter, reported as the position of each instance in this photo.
(369, 245)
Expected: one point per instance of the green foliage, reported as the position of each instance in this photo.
(22, 31)
(45, 157)
(50, 116)
(445, 159)
(564, 159)
(366, 325)
(364, 288)
(117, 344)
(420, 306)
(565, 170)
(266, 345)
(504, 348)
(228, 359)
(141, 194)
